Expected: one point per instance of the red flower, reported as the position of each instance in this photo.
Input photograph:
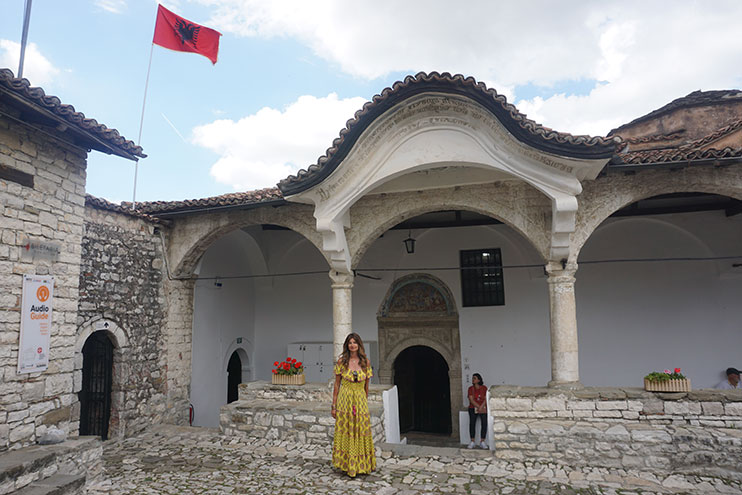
(275, 364)
(298, 365)
(286, 366)
(288, 359)
(275, 372)
(677, 370)
(293, 360)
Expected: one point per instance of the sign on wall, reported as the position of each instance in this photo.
(36, 323)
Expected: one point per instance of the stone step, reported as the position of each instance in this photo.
(426, 452)
(19, 468)
(59, 484)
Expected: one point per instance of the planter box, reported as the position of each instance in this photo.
(668, 385)
(288, 379)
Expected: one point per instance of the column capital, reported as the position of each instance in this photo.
(559, 272)
(341, 280)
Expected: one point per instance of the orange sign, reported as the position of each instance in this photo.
(42, 293)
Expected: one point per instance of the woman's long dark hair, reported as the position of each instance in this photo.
(345, 356)
(481, 382)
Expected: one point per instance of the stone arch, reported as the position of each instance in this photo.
(120, 341)
(190, 237)
(608, 194)
(373, 216)
(446, 303)
(435, 326)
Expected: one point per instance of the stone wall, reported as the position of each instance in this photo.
(695, 434)
(296, 414)
(49, 210)
(121, 287)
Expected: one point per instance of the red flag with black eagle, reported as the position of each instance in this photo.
(182, 35)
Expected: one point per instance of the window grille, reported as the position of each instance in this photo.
(482, 283)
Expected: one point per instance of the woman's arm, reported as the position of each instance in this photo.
(367, 380)
(335, 391)
(472, 402)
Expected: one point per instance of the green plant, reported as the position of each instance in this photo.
(663, 376)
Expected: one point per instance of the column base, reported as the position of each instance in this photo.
(565, 385)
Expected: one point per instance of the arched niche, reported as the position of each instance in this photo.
(419, 310)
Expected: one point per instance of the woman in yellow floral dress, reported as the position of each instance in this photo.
(353, 448)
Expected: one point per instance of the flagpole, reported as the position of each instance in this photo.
(141, 125)
(24, 37)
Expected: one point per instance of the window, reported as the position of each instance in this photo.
(481, 278)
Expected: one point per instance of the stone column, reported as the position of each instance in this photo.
(342, 306)
(563, 317)
(179, 296)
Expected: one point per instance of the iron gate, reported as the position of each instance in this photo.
(95, 396)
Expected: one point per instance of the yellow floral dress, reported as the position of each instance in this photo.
(353, 448)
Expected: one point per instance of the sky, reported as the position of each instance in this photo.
(291, 73)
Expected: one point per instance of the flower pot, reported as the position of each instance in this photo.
(677, 385)
(288, 379)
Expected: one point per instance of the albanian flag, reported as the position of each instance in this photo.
(182, 35)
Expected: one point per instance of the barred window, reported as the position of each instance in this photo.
(482, 283)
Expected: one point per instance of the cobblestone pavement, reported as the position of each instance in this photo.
(178, 460)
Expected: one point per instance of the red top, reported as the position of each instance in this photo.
(480, 395)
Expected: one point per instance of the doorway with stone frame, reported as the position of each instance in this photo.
(418, 319)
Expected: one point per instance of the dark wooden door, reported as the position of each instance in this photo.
(97, 377)
(234, 377)
(421, 376)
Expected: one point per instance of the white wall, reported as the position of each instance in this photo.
(634, 318)
(221, 315)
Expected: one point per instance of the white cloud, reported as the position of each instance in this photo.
(112, 6)
(643, 53)
(36, 68)
(261, 149)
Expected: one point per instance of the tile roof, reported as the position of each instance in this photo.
(686, 152)
(518, 124)
(98, 135)
(103, 204)
(673, 155)
(231, 200)
(696, 98)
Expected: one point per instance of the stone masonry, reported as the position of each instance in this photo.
(293, 413)
(695, 434)
(121, 282)
(51, 211)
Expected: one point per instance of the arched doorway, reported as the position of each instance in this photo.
(97, 379)
(421, 375)
(234, 377)
(418, 323)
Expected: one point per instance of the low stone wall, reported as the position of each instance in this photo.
(697, 433)
(293, 413)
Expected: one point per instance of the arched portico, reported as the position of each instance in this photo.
(190, 237)
(374, 215)
(606, 195)
(433, 122)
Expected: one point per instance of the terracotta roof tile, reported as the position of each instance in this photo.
(261, 196)
(714, 136)
(36, 96)
(103, 204)
(673, 155)
(517, 123)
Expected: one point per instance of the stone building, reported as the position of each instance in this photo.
(502, 211)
